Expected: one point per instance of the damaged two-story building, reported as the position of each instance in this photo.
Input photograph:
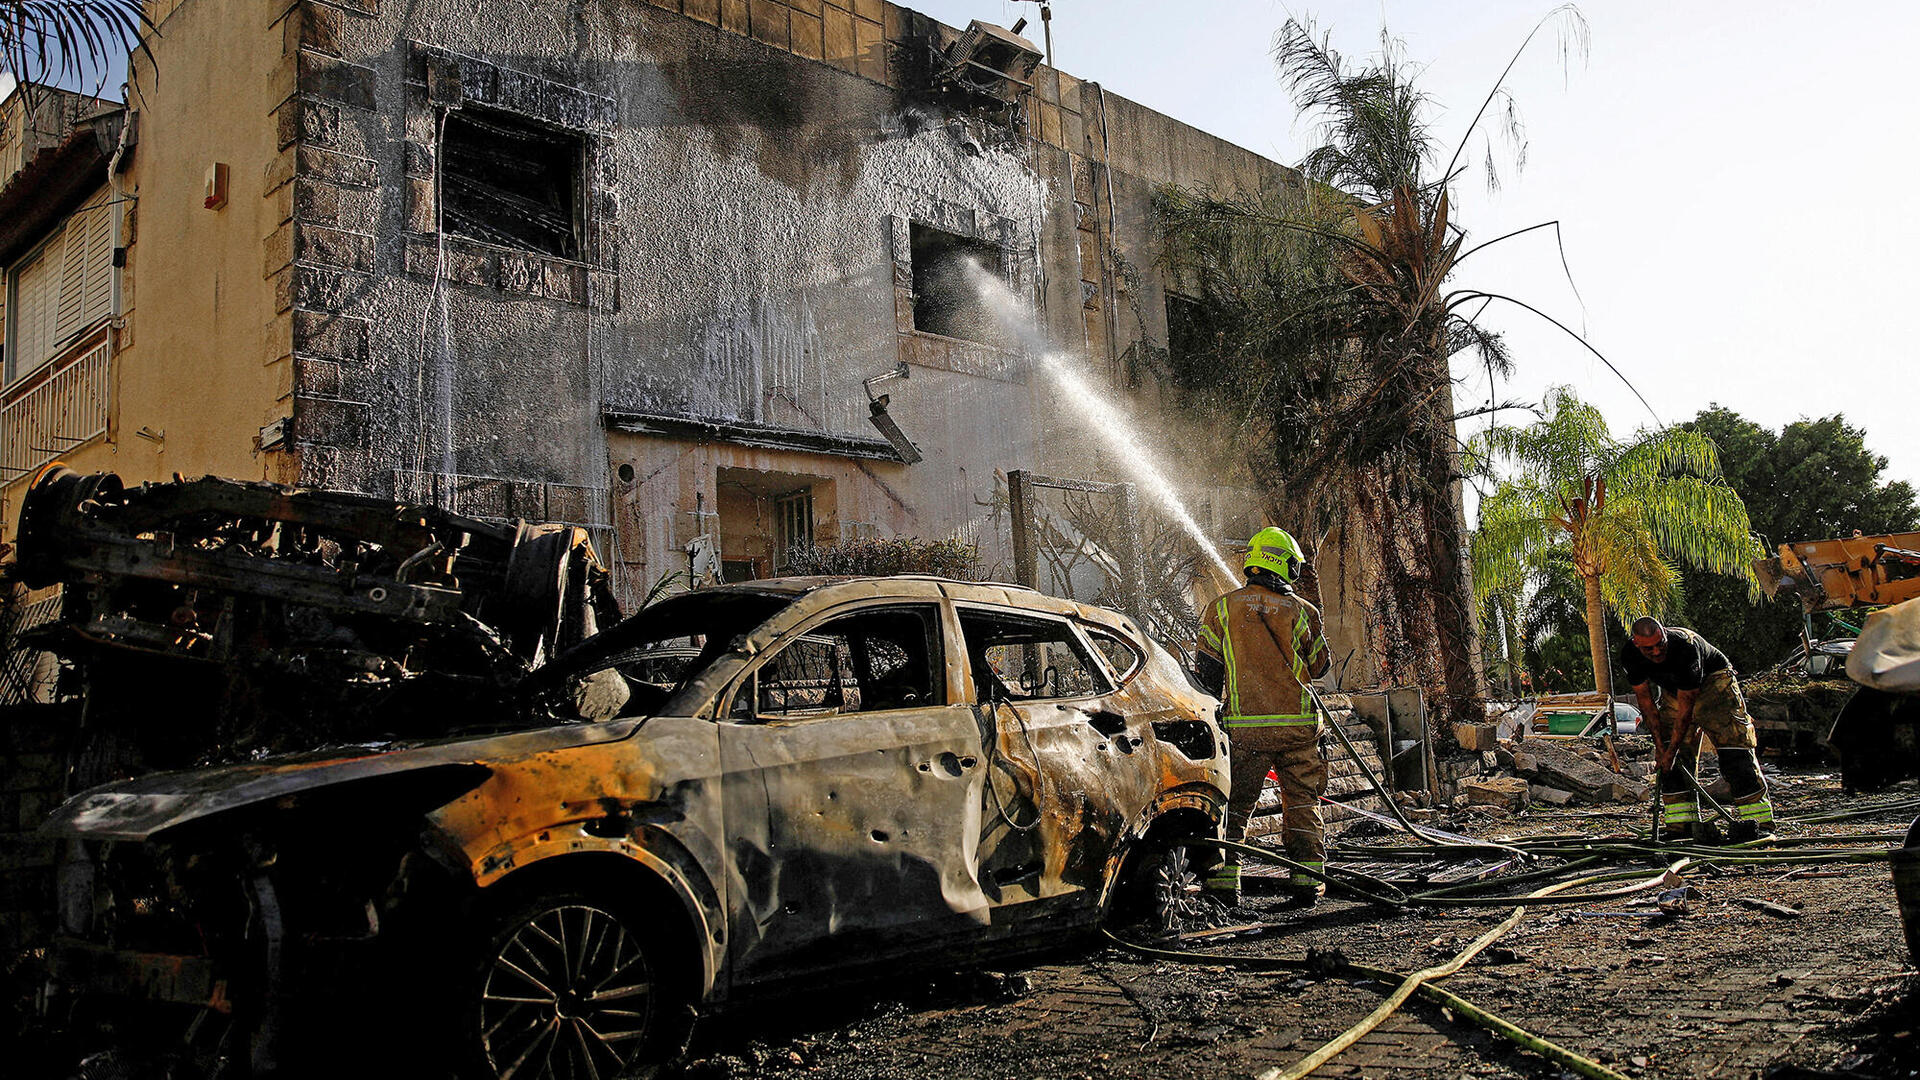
(632, 266)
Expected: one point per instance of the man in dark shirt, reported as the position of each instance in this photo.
(1698, 695)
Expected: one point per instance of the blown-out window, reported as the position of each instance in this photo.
(872, 660)
(948, 272)
(511, 181)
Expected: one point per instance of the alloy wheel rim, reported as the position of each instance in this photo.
(1178, 905)
(568, 994)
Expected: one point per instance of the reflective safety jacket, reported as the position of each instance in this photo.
(1270, 645)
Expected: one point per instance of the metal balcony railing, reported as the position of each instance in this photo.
(53, 412)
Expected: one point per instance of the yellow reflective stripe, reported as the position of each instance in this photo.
(1759, 811)
(1226, 643)
(1207, 634)
(1236, 722)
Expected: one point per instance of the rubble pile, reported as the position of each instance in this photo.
(1557, 771)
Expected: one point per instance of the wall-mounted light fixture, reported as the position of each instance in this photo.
(216, 188)
(877, 412)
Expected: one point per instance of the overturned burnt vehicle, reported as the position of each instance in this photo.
(455, 821)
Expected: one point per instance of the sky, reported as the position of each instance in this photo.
(1713, 186)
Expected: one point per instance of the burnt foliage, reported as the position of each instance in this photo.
(879, 557)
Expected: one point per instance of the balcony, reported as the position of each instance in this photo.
(54, 410)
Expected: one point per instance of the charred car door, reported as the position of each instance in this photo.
(853, 771)
(1060, 766)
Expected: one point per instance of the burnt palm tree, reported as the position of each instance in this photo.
(1335, 318)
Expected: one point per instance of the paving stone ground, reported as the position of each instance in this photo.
(1723, 992)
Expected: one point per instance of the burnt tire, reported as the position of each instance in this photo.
(571, 985)
(1161, 895)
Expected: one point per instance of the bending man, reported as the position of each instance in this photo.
(1698, 695)
(1259, 647)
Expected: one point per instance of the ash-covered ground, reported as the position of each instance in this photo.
(1726, 990)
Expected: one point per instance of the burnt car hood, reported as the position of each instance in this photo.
(141, 808)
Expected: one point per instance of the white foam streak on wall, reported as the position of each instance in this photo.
(760, 361)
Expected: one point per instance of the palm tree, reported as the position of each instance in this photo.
(1334, 325)
(44, 41)
(1625, 511)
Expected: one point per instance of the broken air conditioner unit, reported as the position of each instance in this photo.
(989, 62)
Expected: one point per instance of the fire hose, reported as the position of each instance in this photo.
(1580, 851)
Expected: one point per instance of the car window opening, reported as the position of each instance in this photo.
(1123, 659)
(1016, 658)
(869, 661)
(636, 668)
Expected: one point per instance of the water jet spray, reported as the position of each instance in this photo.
(1114, 428)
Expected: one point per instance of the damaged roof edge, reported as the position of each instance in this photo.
(762, 436)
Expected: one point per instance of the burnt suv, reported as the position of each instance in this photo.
(737, 788)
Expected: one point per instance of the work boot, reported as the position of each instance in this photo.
(1756, 819)
(1222, 884)
(1707, 834)
(1302, 890)
(1301, 896)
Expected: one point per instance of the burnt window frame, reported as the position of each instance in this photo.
(1072, 635)
(577, 152)
(993, 256)
(742, 700)
(1137, 657)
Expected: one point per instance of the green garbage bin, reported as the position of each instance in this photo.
(1567, 723)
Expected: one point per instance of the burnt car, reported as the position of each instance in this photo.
(770, 784)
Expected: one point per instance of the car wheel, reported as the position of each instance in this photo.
(570, 986)
(1162, 896)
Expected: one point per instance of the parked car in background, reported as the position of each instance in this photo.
(1825, 660)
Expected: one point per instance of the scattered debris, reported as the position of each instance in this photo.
(1507, 792)
(1556, 766)
(1674, 902)
(1778, 910)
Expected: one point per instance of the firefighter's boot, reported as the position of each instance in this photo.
(1679, 813)
(1754, 819)
(1305, 890)
(1222, 883)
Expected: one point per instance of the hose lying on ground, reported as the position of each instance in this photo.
(1419, 981)
(1392, 1004)
(1320, 709)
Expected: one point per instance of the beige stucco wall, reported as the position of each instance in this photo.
(204, 361)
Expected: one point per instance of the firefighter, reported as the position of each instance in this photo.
(1698, 694)
(1259, 647)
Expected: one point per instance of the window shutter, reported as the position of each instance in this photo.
(36, 300)
(99, 288)
(71, 252)
(86, 280)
